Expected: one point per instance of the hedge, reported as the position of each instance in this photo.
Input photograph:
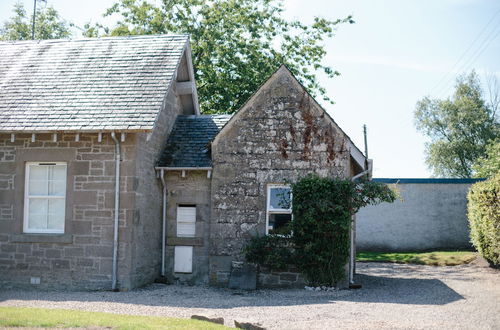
(484, 218)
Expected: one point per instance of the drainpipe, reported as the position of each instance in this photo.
(351, 234)
(164, 222)
(117, 209)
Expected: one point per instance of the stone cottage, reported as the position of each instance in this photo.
(70, 112)
(110, 177)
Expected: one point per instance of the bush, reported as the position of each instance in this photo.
(484, 218)
(271, 251)
(322, 211)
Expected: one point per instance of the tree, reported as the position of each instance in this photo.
(236, 44)
(48, 25)
(488, 165)
(459, 128)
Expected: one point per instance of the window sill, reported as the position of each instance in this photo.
(195, 241)
(42, 238)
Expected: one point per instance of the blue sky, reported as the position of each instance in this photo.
(396, 53)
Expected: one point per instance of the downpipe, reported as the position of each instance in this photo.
(351, 234)
(164, 222)
(114, 275)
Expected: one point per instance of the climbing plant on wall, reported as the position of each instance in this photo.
(322, 211)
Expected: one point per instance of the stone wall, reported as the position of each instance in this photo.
(146, 229)
(81, 257)
(291, 278)
(280, 135)
(432, 215)
(193, 189)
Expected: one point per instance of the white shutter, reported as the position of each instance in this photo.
(186, 221)
(183, 259)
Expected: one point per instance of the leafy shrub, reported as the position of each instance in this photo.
(322, 214)
(322, 211)
(484, 218)
(271, 251)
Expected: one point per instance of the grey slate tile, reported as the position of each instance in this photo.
(189, 142)
(118, 81)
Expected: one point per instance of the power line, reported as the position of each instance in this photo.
(444, 78)
(466, 66)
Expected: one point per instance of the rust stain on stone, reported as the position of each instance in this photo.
(308, 119)
(283, 147)
(292, 132)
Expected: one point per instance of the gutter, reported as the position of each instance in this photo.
(352, 258)
(117, 211)
(183, 168)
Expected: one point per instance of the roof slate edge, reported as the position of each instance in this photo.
(174, 77)
(150, 36)
(74, 131)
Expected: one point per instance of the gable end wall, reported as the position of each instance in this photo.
(280, 135)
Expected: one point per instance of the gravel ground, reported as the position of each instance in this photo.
(393, 297)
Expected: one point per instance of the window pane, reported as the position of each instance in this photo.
(37, 213)
(57, 188)
(55, 217)
(279, 198)
(38, 180)
(57, 180)
(280, 223)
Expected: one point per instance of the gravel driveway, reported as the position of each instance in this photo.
(393, 297)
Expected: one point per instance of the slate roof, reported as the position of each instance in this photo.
(115, 83)
(188, 144)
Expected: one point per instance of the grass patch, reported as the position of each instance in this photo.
(61, 318)
(438, 258)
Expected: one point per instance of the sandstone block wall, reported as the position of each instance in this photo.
(146, 228)
(193, 189)
(81, 257)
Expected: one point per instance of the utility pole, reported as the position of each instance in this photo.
(34, 19)
(366, 141)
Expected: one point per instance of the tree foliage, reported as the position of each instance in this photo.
(459, 128)
(488, 165)
(236, 44)
(322, 213)
(484, 218)
(49, 25)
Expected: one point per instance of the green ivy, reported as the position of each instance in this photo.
(322, 212)
(272, 251)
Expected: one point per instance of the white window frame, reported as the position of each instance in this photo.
(186, 222)
(270, 210)
(27, 198)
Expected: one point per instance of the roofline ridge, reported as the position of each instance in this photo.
(142, 36)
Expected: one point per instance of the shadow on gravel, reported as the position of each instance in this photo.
(413, 291)
(376, 289)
